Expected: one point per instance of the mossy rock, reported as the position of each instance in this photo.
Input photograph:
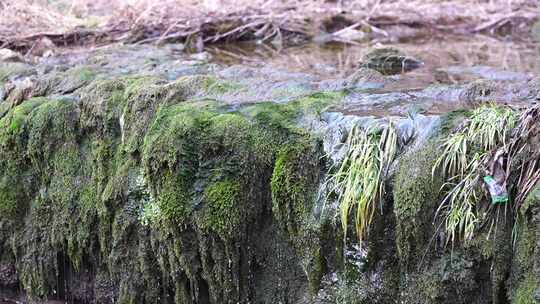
(294, 185)
(10, 69)
(223, 209)
(416, 197)
(528, 291)
(389, 61)
(524, 280)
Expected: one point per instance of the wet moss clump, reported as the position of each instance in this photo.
(12, 123)
(527, 292)
(292, 185)
(15, 180)
(222, 214)
(151, 190)
(524, 285)
(416, 197)
(295, 180)
(11, 202)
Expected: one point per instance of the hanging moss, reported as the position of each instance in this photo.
(528, 291)
(174, 199)
(416, 197)
(524, 283)
(92, 166)
(294, 194)
(222, 212)
(15, 181)
(11, 202)
(292, 185)
(12, 123)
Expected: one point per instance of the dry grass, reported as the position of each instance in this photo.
(202, 22)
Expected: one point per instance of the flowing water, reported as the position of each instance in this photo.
(437, 87)
(339, 60)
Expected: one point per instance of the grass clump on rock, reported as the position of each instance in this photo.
(465, 154)
(360, 179)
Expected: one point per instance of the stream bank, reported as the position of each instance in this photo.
(136, 175)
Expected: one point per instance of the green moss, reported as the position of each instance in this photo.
(174, 199)
(416, 197)
(85, 74)
(11, 202)
(285, 115)
(316, 270)
(524, 282)
(451, 120)
(528, 291)
(294, 183)
(291, 184)
(173, 137)
(51, 126)
(179, 136)
(14, 178)
(271, 114)
(318, 102)
(211, 86)
(12, 123)
(183, 135)
(222, 213)
(89, 167)
(150, 95)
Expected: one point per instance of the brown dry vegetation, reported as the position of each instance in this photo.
(27, 24)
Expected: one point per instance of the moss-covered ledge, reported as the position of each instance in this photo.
(137, 188)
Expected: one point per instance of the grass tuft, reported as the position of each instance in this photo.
(462, 162)
(360, 178)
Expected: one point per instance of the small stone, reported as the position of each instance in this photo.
(43, 47)
(535, 31)
(7, 55)
(537, 294)
(48, 53)
(390, 61)
(203, 56)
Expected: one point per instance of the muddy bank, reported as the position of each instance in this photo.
(37, 28)
(140, 175)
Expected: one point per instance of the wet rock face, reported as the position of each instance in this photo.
(199, 184)
(133, 189)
